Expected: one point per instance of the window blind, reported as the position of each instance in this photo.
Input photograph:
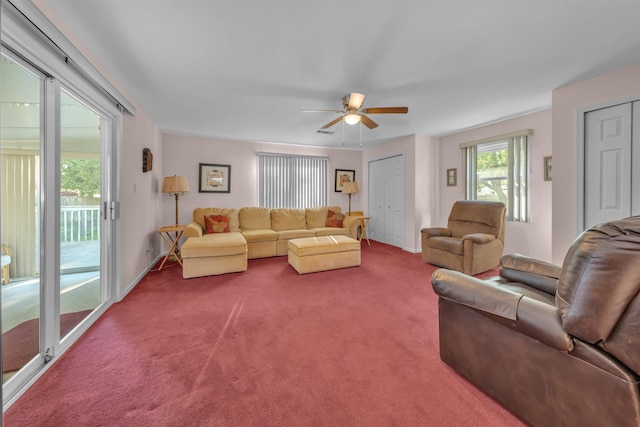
(291, 181)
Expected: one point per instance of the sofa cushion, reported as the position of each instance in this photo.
(216, 224)
(259, 235)
(295, 234)
(334, 219)
(317, 217)
(288, 219)
(200, 213)
(254, 218)
(331, 231)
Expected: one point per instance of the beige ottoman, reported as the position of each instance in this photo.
(312, 254)
(213, 254)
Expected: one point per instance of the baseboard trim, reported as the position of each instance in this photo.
(412, 250)
(140, 276)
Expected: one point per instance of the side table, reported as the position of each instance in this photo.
(364, 221)
(171, 242)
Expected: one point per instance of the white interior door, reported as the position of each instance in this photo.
(608, 164)
(376, 201)
(394, 201)
(386, 200)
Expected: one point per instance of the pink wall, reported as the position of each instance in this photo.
(139, 209)
(620, 85)
(182, 155)
(531, 238)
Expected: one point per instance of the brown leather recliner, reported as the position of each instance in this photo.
(556, 346)
(473, 240)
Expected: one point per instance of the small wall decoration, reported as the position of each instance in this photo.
(547, 168)
(147, 160)
(452, 177)
(215, 178)
(342, 176)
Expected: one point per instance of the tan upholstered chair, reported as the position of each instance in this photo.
(473, 240)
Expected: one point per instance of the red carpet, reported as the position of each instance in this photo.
(268, 347)
(20, 344)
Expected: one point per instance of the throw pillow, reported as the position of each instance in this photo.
(216, 224)
(334, 219)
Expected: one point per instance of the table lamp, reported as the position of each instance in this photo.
(175, 186)
(350, 188)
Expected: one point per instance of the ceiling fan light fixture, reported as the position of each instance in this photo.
(352, 119)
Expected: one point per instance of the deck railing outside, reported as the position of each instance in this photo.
(79, 223)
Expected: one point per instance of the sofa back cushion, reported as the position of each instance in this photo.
(200, 213)
(598, 295)
(288, 219)
(254, 218)
(317, 217)
(470, 216)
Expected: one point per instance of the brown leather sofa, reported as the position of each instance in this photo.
(556, 346)
(473, 240)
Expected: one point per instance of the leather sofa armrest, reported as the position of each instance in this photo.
(436, 231)
(527, 316)
(193, 229)
(479, 237)
(475, 293)
(530, 271)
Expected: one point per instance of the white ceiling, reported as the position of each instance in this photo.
(246, 69)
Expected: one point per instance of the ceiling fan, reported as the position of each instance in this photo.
(352, 113)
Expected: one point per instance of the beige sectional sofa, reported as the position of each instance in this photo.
(252, 232)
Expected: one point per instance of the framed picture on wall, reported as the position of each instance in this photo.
(343, 176)
(215, 178)
(452, 177)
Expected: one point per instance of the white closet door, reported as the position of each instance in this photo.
(394, 201)
(608, 160)
(376, 201)
(386, 200)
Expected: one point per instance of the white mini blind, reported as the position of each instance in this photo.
(290, 181)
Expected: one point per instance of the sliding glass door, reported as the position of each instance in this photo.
(21, 109)
(55, 219)
(80, 220)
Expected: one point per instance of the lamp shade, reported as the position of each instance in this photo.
(350, 187)
(175, 185)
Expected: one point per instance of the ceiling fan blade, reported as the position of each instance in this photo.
(386, 110)
(368, 122)
(322, 111)
(355, 100)
(331, 123)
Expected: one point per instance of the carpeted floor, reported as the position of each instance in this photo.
(267, 347)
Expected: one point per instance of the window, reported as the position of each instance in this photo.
(290, 181)
(497, 170)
